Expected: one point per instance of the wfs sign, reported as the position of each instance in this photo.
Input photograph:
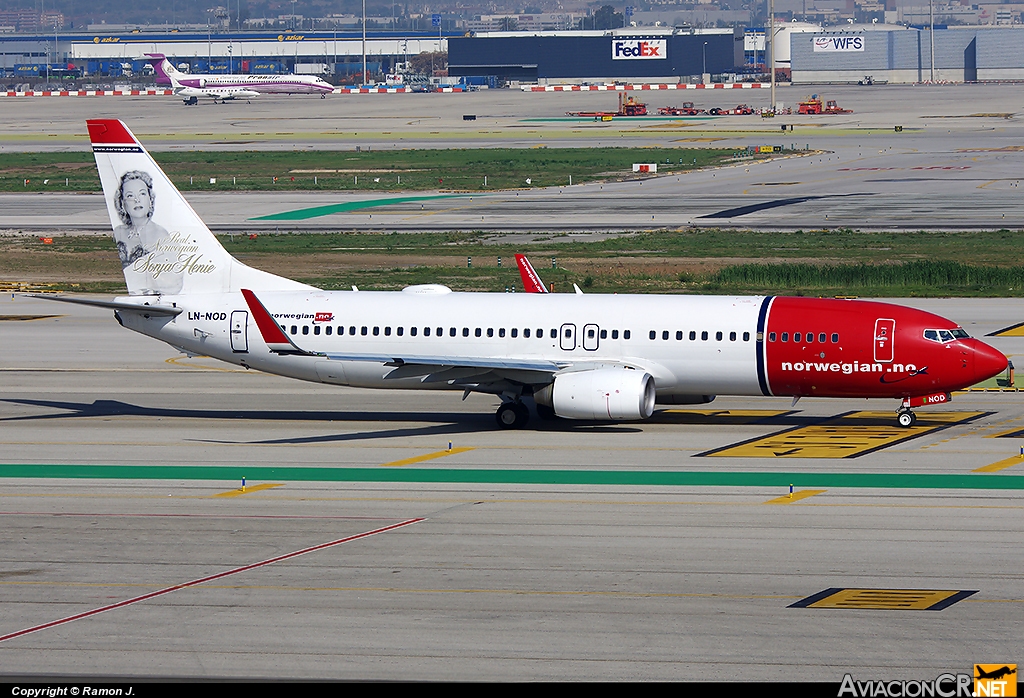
(639, 49)
(841, 44)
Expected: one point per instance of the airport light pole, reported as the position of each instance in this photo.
(771, 28)
(364, 42)
(931, 36)
(704, 61)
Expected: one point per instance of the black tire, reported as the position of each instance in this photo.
(512, 415)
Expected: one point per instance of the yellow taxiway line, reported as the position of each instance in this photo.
(1001, 465)
(795, 497)
(248, 490)
(425, 457)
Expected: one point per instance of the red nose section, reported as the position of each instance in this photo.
(988, 362)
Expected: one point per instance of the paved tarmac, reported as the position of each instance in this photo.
(552, 553)
(956, 164)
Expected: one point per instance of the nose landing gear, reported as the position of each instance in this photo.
(512, 415)
(905, 417)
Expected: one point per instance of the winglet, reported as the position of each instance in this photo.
(277, 341)
(531, 281)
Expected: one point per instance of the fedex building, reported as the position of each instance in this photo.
(654, 54)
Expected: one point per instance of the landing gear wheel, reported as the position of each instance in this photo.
(906, 418)
(512, 415)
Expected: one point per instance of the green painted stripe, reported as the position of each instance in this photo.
(533, 477)
(302, 214)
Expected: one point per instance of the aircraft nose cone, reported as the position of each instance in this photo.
(987, 361)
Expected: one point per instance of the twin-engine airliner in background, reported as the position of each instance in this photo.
(224, 87)
(593, 356)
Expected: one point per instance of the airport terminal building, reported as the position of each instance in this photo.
(885, 53)
(897, 54)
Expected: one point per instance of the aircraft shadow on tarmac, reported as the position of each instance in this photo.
(442, 422)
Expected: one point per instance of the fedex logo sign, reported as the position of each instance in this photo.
(644, 49)
(842, 44)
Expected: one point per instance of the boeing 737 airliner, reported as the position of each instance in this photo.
(593, 356)
(222, 87)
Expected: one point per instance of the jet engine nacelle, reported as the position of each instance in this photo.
(202, 82)
(602, 393)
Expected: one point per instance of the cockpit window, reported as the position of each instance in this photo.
(945, 335)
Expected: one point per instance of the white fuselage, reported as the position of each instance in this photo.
(587, 329)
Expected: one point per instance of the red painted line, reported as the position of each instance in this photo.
(212, 577)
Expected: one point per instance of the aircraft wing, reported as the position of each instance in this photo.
(410, 365)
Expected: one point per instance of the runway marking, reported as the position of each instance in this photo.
(248, 490)
(303, 214)
(885, 599)
(1001, 465)
(795, 497)
(210, 578)
(425, 457)
(1011, 331)
(538, 476)
(844, 436)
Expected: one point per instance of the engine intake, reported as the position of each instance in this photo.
(602, 393)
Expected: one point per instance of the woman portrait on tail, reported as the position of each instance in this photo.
(133, 201)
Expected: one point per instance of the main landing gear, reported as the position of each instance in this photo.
(905, 417)
(512, 415)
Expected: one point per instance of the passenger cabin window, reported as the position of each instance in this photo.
(604, 334)
(426, 331)
(554, 334)
(387, 331)
(821, 337)
(746, 336)
(526, 333)
(501, 331)
(465, 331)
(515, 332)
(652, 334)
(478, 332)
(352, 330)
(771, 336)
(412, 331)
(328, 329)
(810, 338)
(718, 336)
(295, 330)
(615, 334)
(693, 335)
(732, 336)
(305, 329)
(316, 329)
(704, 336)
(376, 331)
(796, 337)
(400, 331)
(835, 338)
(490, 331)
(452, 332)
(625, 334)
(362, 330)
(664, 334)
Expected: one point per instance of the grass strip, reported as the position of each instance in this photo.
(521, 477)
